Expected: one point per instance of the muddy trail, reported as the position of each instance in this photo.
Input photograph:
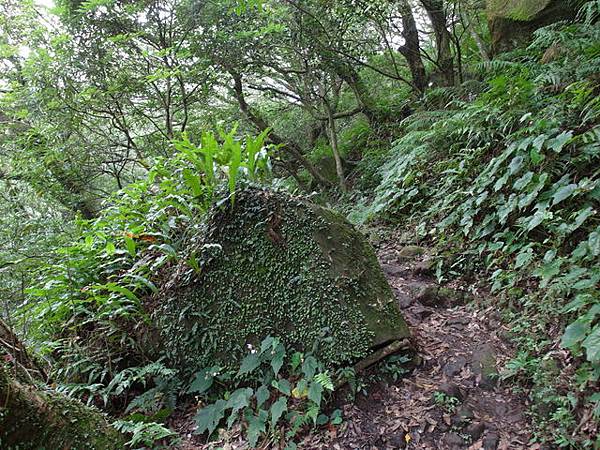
(453, 399)
(461, 348)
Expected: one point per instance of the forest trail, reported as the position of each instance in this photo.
(461, 348)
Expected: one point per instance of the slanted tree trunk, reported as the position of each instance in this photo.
(445, 60)
(33, 416)
(360, 90)
(411, 49)
(262, 125)
(333, 141)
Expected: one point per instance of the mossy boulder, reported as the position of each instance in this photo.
(275, 264)
(512, 22)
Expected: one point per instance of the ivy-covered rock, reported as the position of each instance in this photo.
(513, 21)
(274, 264)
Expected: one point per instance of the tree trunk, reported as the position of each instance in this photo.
(339, 169)
(262, 125)
(481, 46)
(33, 416)
(359, 89)
(437, 16)
(14, 351)
(411, 49)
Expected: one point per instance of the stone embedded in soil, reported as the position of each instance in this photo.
(411, 251)
(275, 264)
(463, 417)
(484, 366)
(427, 295)
(440, 297)
(491, 441)
(419, 313)
(451, 390)
(392, 270)
(424, 267)
(474, 430)
(454, 440)
(397, 440)
(453, 368)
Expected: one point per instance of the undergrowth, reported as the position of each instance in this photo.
(505, 182)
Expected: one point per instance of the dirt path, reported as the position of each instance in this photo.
(461, 348)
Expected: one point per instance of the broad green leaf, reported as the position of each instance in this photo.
(524, 258)
(249, 364)
(282, 386)
(501, 182)
(560, 141)
(580, 301)
(535, 156)
(515, 165)
(277, 409)
(277, 361)
(574, 334)
(309, 366)
(207, 419)
(336, 417)
(193, 182)
(110, 248)
(256, 426)
(239, 400)
(269, 343)
(114, 287)
(315, 392)
(130, 244)
(203, 380)
(536, 220)
(587, 283)
(563, 193)
(522, 182)
(262, 395)
(594, 242)
(592, 345)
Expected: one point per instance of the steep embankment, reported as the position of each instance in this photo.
(503, 182)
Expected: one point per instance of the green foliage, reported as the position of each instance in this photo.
(86, 308)
(507, 184)
(144, 435)
(273, 405)
(445, 401)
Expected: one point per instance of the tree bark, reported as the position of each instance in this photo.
(34, 416)
(262, 125)
(14, 351)
(359, 89)
(339, 168)
(437, 16)
(411, 49)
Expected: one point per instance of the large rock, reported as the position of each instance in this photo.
(512, 22)
(274, 264)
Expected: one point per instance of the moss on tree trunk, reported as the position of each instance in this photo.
(37, 418)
